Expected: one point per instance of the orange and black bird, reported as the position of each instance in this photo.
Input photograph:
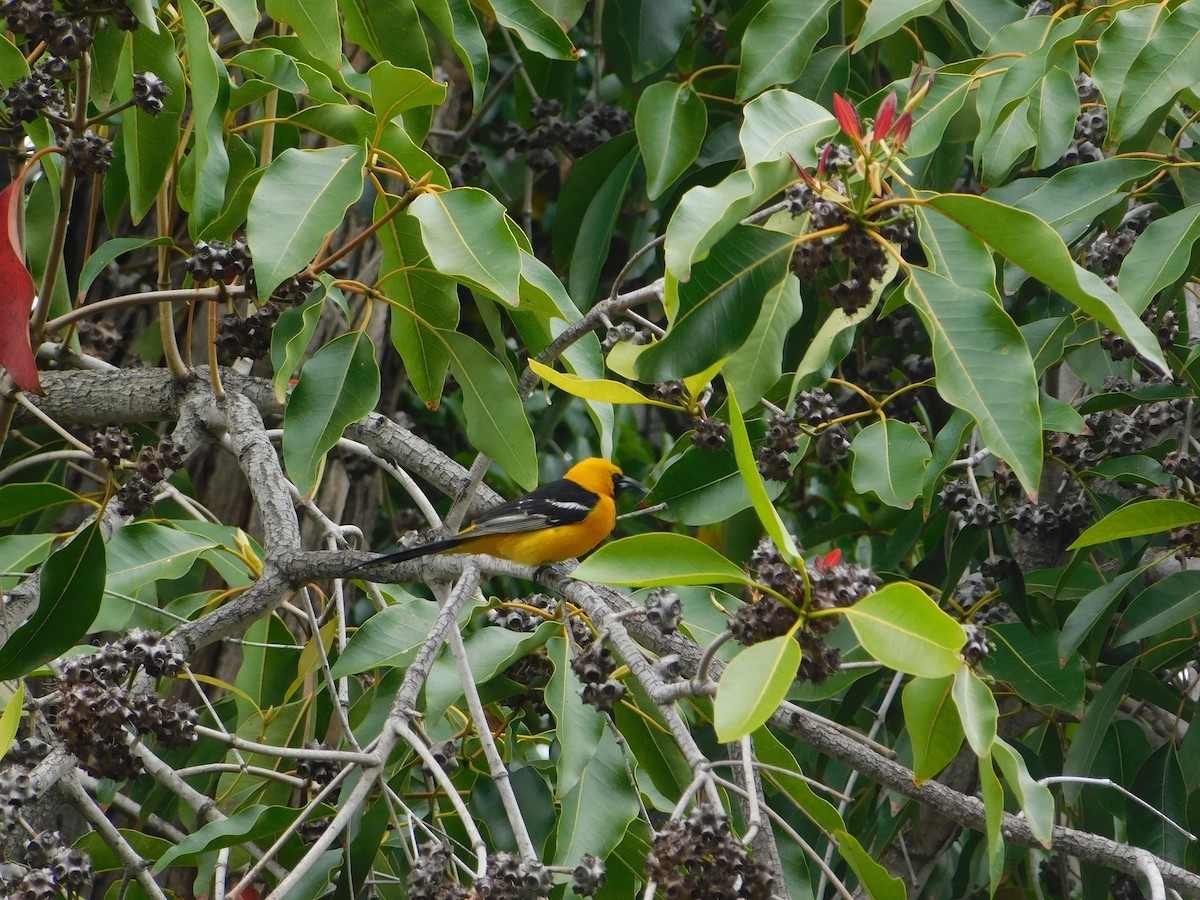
(560, 520)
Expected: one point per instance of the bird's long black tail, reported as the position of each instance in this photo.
(415, 552)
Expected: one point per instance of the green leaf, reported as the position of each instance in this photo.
(145, 552)
(339, 385)
(1053, 109)
(389, 30)
(778, 42)
(880, 884)
(885, 17)
(108, 252)
(315, 23)
(1070, 200)
(889, 459)
(242, 15)
(955, 253)
(20, 500)
(782, 123)
(993, 812)
(1007, 144)
(10, 720)
(1029, 662)
(536, 28)
(456, 20)
(1036, 800)
(428, 301)
(671, 123)
(388, 638)
(1161, 783)
(250, 824)
(1138, 518)
(758, 363)
(767, 514)
(465, 233)
(1166, 65)
(1160, 257)
(703, 487)
(491, 651)
(984, 367)
(578, 727)
(1097, 720)
(1035, 247)
(496, 422)
(986, 17)
(946, 97)
(148, 143)
(595, 813)
(1161, 606)
(706, 214)
(1120, 45)
(589, 206)
(290, 339)
(105, 859)
(753, 685)
(661, 558)
(396, 90)
(933, 725)
(208, 162)
(300, 200)
(1088, 612)
(72, 584)
(640, 38)
(902, 628)
(976, 710)
(720, 304)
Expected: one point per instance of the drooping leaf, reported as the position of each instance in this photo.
(290, 339)
(902, 628)
(671, 122)
(302, 197)
(777, 43)
(457, 22)
(652, 560)
(889, 460)
(640, 38)
(1159, 257)
(1164, 66)
(753, 685)
(250, 824)
(71, 586)
(1036, 800)
(594, 389)
(977, 710)
(767, 514)
(984, 367)
(208, 163)
(933, 725)
(339, 385)
(496, 422)
(758, 363)
(536, 28)
(1089, 611)
(10, 720)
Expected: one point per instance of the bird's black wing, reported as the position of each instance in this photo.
(561, 502)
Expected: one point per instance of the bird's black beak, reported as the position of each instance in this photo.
(625, 483)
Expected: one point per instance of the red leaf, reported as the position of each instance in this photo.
(903, 127)
(847, 116)
(829, 560)
(16, 298)
(885, 117)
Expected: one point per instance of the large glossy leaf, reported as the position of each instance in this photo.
(1035, 799)
(388, 29)
(1160, 257)
(902, 628)
(652, 560)
(388, 638)
(300, 200)
(986, 17)
(703, 487)
(890, 458)
(1120, 45)
(149, 143)
(144, 552)
(1030, 243)
(1097, 719)
(465, 233)
(578, 727)
(671, 123)
(72, 583)
(593, 388)
(992, 794)
(879, 882)
(1089, 611)
(771, 521)
(783, 123)
(396, 90)
(984, 367)
(457, 22)
(706, 214)
(778, 42)
(977, 710)
(1164, 66)
(718, 307)
(955, 253)
(1069, 201)
(496, 423)
(933, 725)
(1006, 144)
(250, 824)
(290, 339)
(208, 163)
(19, 500)
(1029, 662)
(315, 23)
(1138, 518)
(753, 685)
(946, 97)
(339, 385)
(428, 300)
(107, 252)
(536, 28)
(596, 811)
(885, 17)
(758, 363)
(1161, 783)
(1053, 107)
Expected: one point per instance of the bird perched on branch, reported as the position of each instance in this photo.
(560, 520)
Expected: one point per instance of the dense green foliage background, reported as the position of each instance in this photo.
(890, 304)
